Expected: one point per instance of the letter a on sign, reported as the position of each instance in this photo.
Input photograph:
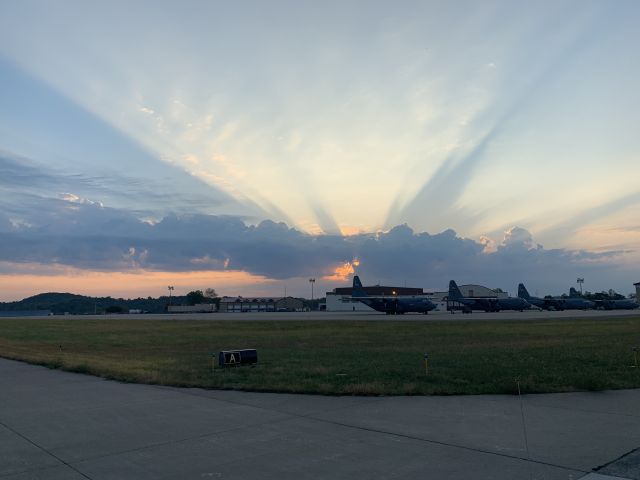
(232, 358)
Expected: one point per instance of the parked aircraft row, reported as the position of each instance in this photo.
(457, 301)
(575, 302)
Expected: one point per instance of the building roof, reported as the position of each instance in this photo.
(249, 299)
(477, 291)
(253, 299)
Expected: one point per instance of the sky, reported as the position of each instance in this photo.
(249, 146)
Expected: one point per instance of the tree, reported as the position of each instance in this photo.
(194, 297)
(210, 293)
(211, 296)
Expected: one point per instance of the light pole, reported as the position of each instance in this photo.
(580, 282)
(170, 290)
(312, 281)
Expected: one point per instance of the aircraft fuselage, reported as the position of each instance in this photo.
(396, 305)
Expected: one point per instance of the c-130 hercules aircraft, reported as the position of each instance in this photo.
(573, 302)
(391, 305)
(468, 304)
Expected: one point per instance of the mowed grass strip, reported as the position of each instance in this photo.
(341, 357)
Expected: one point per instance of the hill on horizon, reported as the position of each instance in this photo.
(61, 302)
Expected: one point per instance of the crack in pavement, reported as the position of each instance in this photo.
(41, 448)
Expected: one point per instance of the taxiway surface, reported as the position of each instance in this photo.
(59, 425)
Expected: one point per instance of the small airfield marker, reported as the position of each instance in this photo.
(234, 358)
(635, 357)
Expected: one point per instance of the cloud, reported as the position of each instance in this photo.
(83, 234)
(6, 225)
(71, 198)
(517, 238)
(23, 181)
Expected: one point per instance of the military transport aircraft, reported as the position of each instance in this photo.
(575, 302)
(468, 304)
(390, 305)
(622, 304)
(546, 303)
(572, 302)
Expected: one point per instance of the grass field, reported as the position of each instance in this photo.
(341, 357)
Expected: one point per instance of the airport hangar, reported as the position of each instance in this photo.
(340, 300)
(243, 304)
(261, 304)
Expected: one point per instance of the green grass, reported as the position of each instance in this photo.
(341, 357)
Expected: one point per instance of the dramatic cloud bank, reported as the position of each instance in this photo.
(84, 234)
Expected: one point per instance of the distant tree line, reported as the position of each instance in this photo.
(603, 295)
(610, 295)
(59, 303)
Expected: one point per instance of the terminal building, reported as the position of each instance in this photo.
(340, 299)
(261, 304)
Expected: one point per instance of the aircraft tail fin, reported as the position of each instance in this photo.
(454, 291)
(358, 290)
(522, 292)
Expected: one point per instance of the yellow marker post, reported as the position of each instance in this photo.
(426, 363)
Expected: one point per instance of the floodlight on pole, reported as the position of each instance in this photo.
(580, 282)
(170, 288)
(312, 281)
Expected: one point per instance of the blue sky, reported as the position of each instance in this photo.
(342, 120)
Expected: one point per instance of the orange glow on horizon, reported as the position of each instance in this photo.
(29, 281)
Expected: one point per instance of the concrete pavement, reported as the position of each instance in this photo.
(62, 425)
